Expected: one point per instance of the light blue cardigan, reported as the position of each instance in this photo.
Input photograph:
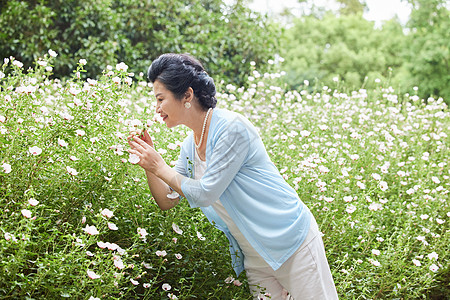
(240, 173)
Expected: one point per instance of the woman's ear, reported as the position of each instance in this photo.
(189, 94)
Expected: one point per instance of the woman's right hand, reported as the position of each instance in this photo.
(143, 136)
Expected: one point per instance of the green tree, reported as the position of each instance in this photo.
(348, 47)
(427, 55)
(350, 7)
(225, 37)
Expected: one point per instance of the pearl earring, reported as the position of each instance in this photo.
(187, 105)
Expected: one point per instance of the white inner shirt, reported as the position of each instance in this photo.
(251, 258)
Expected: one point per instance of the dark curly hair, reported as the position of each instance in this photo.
(178, 72)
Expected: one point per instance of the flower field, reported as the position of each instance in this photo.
(77, 219)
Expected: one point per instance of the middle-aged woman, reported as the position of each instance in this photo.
(224, 169)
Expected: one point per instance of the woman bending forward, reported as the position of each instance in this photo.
(224, 169)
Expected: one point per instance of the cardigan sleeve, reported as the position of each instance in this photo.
(228, 155)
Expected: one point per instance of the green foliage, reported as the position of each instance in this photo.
(428, 54)
(321, 46)
(350, 7)
(371, 165)
(348, 47)
(225, 38)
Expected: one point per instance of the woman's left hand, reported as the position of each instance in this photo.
(150, 160)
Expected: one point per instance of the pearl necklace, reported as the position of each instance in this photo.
(203, 130)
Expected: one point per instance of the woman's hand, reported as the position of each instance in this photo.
(142, 146)
(146, 138)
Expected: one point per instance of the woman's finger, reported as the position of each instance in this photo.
(136, 146)
(147, 138)
(134, 151)
(142, 143)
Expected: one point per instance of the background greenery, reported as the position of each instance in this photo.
(225, 38)
(325, 44)
(371, 166)
(317, 46)
(360, 100)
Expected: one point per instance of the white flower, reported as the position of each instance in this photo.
(305, 133)
(229, 279)
(178, 256)
(374, 262)
(354, 156)
(6, 168)
(435, 180)
(161, 253)
(26, 213)
(176, 228)
(200, 236)
(82, 62)
(119, 264)
(101, 245)
(350, 209)
(383, 185)
(134, 159)
(80, 132)
(92, 274)
(121, 67)
(323, 169)
(434, 268)
(107, 213)
(146, 285)
(416, 262)
(112, 226)
(172, 296)
(116, 80)
(375, 206)
(62, 143)
(375, 252)
(71, 171)
(361, 185)
(17, 64)
(376, 176)
(166, 287)
(52, 53)
(112, 246)
(92, 230)
(142, 232)
(433, 255)
(8, 236)
(2, 119)
(424, 217)
(440, 221)
(348, 198)
(173, 195)
(33, 202)
(420, 238)
(35, 150)
(134, 282)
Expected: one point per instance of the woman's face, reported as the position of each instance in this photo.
(168, 106)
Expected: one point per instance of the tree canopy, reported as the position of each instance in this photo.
(226, 38)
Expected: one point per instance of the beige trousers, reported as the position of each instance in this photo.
(305, 275)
